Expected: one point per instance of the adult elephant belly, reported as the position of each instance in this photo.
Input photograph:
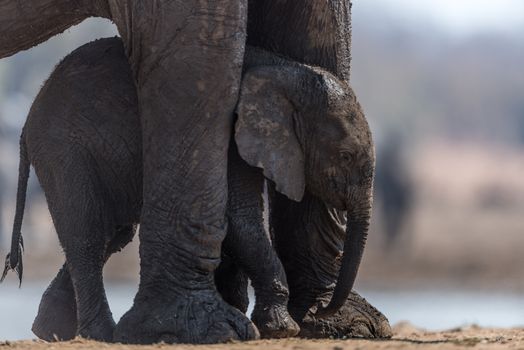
(186, 57)
(309, 236)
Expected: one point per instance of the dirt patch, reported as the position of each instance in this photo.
(406, 337)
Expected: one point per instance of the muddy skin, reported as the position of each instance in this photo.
(317, 33)
(55, 131)
(310, 250)
(356, 319)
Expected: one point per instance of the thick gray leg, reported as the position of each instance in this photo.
(232, 283)
(84, 243)
(248, 244)
(81, 214)
(187, 58)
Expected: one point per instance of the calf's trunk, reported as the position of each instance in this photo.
(359, 216)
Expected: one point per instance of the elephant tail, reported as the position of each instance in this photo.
(13, 260)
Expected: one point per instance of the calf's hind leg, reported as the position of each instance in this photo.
(81, 215)
(56, 318)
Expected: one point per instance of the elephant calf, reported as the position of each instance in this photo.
(82, 137)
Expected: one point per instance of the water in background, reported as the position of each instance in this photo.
(433, 310)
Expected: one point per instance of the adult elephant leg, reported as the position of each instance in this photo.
(24, 24)
(309, 238)
(57, 315)
(187, 58)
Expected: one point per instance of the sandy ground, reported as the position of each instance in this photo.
(406, 337)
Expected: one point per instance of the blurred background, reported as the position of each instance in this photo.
(443, 87)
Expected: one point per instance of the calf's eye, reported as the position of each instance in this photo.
(346, 157)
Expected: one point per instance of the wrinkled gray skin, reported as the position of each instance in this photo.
(310, 235)
(188, 55)
(186, 58)
(291, 84)
(95, 198)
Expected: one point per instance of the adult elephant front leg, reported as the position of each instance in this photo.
(187, 58)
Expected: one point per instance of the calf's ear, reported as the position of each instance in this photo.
(264, 131)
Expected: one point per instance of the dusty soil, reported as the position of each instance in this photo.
(406, 337)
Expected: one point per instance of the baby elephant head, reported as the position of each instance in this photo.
(306, 130)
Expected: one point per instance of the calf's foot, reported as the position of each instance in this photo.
(101, 328)
(356, 319)
(271, 317)
(309, 239)
(56, 318)
(274, 322)
(200, 317)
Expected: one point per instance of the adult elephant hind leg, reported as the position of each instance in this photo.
(188, 68)
(57, 314)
